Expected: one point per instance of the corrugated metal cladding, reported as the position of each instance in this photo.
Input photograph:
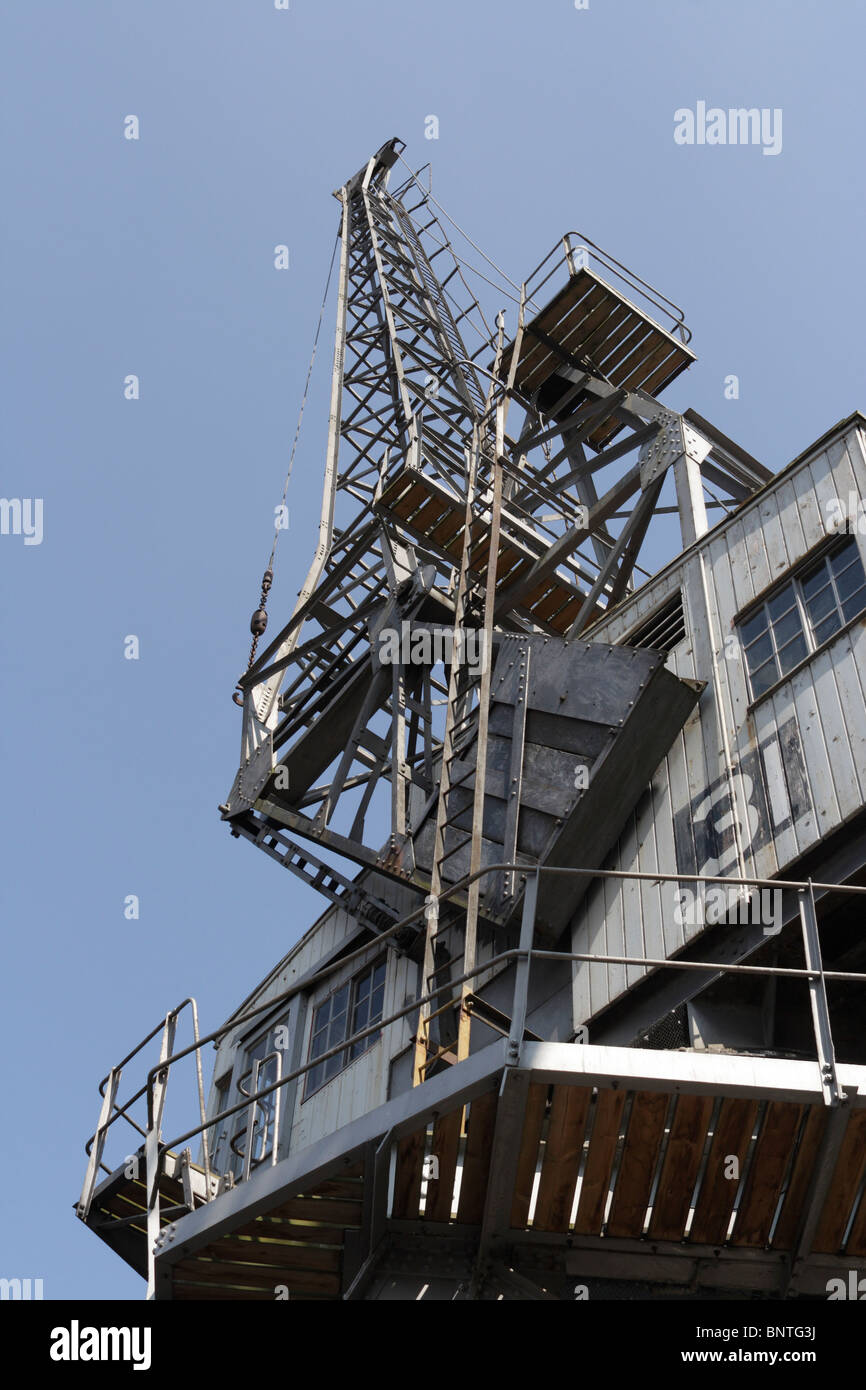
(798, 754)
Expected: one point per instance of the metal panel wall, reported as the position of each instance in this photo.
(798, 755)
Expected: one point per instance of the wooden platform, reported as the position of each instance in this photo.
(667, 1168)
(588, 324)
(118, 1212)
(435, 518)
(294, 1252)
(649, 1164)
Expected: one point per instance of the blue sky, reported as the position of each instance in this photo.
(155, 257)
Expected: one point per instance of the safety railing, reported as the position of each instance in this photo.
(523, 955)
(575, 251)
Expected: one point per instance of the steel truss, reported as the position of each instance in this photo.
(424, 484)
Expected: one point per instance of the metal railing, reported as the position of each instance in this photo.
(567, 251)
(814, 975)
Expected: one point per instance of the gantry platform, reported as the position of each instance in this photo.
(590, 326)
(577, 1163)
(435, 517)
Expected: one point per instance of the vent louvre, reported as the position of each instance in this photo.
(663, 630)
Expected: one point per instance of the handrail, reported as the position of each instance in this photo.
(801, 887)
(120, 1111)
(634, 282)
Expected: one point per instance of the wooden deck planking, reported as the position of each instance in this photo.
(680, 1168)
(715, 1202)
(801, 1176)
(769, 1165)
(602, 1147)
(637, 1168)
(533, 1122)
(446, 1143)
(407, 1177)
(562, 1154)
(476, 1160)
(844, 1184)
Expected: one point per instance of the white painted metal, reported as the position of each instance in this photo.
(823, 705)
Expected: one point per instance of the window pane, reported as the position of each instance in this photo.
(753, 627)
(781, 602)
(849, 581)
(821, 604)
(815, 580)
(764, 677)
(792, 653)
(787, 627)
(844, 556)
(853, 605)
(759, 652)
(825, 629)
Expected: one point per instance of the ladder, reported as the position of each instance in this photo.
(467, 713)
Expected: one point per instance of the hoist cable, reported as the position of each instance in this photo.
(259, 620)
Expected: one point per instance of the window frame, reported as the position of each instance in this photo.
(244, 1081)
(818, 558)
(352, 1053)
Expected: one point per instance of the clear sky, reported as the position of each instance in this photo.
(155, 257)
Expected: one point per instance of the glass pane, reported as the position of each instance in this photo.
(764, 677)
(363, 986)
(314, 1079)
(853, 605)
(820, 604)
(815, 580)
(787, 627)
(376, 1003)
(848, 581)
(340, 1001)
(759, 652)
(753, 627)
(844, 556)
(321, 1016)
(792, 653)
(825, 629)
(362, 1014)
(781, 602)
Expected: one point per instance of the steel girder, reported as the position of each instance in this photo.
(325, 726)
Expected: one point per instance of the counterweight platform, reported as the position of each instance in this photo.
(700, 1172)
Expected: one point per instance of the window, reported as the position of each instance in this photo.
(803, 614)
(260, 1121)
(354, 1006)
